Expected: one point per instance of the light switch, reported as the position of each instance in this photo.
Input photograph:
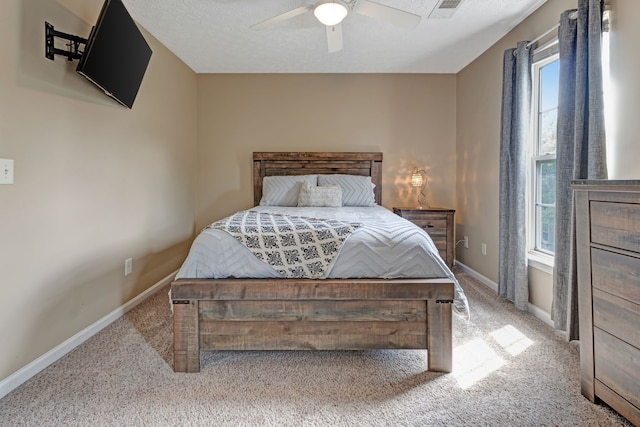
(6, 171)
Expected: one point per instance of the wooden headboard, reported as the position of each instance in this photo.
(311, 163)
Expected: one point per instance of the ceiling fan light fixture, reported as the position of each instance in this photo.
(330, 12)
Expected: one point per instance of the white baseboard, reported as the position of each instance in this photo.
(541, 314)
(479, 277)
(536, 311)
(22, 375)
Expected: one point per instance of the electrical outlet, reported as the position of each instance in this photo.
(466, 242)
(484, 249)
(128, 266)
(6, 171)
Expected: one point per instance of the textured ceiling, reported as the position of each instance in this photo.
(213, 36)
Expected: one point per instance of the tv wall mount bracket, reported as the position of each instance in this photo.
(73, 45)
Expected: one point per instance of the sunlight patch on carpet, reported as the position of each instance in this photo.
(511, 339)
(474, 361)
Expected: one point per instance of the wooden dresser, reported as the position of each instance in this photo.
(438, 222)
(608, 256)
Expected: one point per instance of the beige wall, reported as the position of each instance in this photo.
(410, 118)
(478, 133)
(623, 149)
(95, 183)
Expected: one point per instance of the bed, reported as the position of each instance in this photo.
(275, 313)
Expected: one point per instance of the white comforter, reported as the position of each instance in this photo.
(387, 246)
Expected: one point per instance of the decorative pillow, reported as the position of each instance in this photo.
(327, 196)
(283, 190)
(356, 190)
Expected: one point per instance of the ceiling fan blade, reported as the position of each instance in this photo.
(400, 18)
(282, 17)
(334, 38)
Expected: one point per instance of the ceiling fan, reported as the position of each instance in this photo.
(331, 13)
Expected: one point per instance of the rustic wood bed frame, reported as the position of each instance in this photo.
(312, 314)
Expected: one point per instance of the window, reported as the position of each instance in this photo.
(543, 154)
(542, 176)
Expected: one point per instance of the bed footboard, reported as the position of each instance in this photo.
(307, 314)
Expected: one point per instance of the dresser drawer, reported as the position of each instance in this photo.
(431, 227)
(617, 365)
(441, 245)
(616, 274)
(617, 316)
(434, 225)
(440, 242)
(616, 225)
(424, 215)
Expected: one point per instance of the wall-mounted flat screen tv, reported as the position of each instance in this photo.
(116, 55)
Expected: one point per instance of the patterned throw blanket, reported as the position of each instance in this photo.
(294, 246)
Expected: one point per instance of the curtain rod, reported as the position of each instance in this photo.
(572, 15)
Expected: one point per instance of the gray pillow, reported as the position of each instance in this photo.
(356, 190)
(283, 190)
(327, 196)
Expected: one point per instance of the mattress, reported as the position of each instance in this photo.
(385, 246)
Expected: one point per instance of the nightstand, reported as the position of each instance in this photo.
(438, 222)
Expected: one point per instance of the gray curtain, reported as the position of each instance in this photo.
(580, 145)
(516, 115)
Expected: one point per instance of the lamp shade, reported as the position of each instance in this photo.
(416, 179)
(330, 12)
(420, 179)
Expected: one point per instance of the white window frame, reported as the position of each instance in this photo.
(540, 259)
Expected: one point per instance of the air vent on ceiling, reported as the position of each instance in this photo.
(445, 9)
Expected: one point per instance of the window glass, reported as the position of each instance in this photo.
(548, 108)
(546, 211)
(543, 168)
(547, 174)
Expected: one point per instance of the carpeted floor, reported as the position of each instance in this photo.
(510, 369)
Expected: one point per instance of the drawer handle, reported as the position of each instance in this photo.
(427, 226)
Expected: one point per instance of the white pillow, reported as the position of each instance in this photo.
(328, 196)
(283, 190)
(356, 190)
